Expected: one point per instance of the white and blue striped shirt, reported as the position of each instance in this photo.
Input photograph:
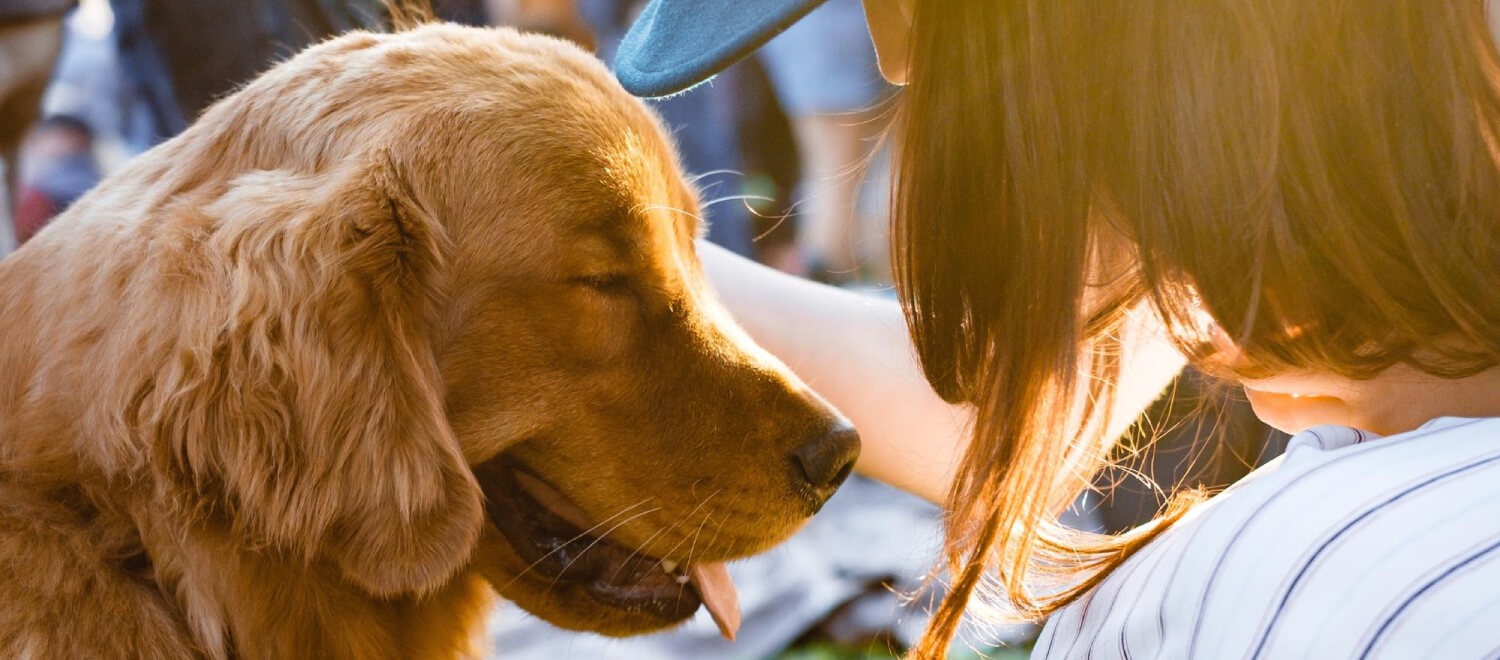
(1350, 545)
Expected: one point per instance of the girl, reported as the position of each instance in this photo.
(1301, 196)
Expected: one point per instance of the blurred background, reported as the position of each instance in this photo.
(786, 148)
(785, 144)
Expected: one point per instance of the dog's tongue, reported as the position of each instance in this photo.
(717, 590)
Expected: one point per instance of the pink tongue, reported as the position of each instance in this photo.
(548, 497)
(719, 596)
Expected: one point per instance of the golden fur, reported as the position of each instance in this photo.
(246, 384)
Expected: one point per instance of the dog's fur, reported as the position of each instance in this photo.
(246, 384)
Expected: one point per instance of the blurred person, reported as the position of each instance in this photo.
(212, 46)
(824, 73)
(58, 168)
(30, 40)
(561, 18)
(1297, 196)
(87, 83)
(183, 55)
(179, 56)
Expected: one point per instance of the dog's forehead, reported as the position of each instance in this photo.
(641, 213)
(533, 128)
(656, 209)
(639, 170)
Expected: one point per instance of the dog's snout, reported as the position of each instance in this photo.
(829, 458)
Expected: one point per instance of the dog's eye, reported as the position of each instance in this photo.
(604, 281)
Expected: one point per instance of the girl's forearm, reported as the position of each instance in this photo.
(853, 350)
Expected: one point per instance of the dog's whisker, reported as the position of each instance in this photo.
(719, 524)
(668, 529)
(580, 535)
(780, 220)
(687, 517)
(694, 179)
(698, 534)
(673, 209)
(599, 538)
(694, 536)
(647, 542)
(737, 198)
(706, 515)
(662, 531)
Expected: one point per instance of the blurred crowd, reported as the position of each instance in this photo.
(784, 146)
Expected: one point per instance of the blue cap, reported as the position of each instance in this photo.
(676, 44)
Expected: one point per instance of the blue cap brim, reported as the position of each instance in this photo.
(676, 44)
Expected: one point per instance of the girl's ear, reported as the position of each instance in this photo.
(1492, 16)
(890, 30)
(306, 401)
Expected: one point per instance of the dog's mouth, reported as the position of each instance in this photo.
(557, 542)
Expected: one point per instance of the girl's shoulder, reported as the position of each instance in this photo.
(1349, 545)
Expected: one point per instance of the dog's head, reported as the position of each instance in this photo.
(480, 225)
(627, 434)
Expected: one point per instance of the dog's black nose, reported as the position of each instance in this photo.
(828, 459)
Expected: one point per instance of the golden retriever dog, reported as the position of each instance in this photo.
(410, 320)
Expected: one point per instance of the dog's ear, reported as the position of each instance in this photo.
(306, 402)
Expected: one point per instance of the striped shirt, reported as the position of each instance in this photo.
(1349, 545)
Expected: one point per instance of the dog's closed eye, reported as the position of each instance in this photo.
(604, 282)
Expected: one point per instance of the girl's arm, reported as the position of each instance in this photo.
(854, 350)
